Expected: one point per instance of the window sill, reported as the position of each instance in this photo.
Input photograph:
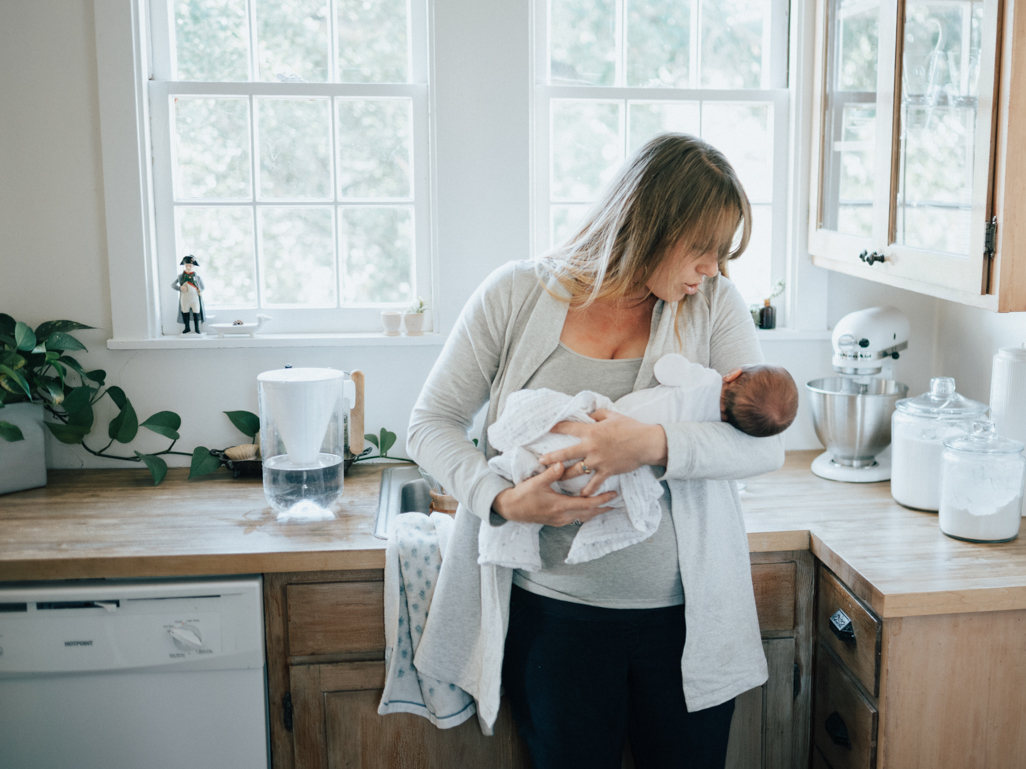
(211, 341)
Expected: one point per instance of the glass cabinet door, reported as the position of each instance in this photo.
(903, 147)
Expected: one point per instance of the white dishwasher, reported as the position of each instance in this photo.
(120, 674)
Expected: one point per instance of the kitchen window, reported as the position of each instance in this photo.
(611, 74)
(290, 157)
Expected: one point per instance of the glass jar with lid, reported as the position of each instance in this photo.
(918, 430)
(981, 487)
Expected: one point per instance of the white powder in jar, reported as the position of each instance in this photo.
(915, 470)
(1002, 523)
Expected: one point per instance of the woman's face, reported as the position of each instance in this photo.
(682, 272)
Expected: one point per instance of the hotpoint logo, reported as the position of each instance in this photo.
(78, 643)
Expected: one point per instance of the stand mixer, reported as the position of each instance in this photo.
(852, 413)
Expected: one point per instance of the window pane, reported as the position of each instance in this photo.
(211, 39)
(856, 33)
(211, 147)
(374, 148)
(586, 147)
(221, 239)
(295, 148)
(583, 42)
(377, 251)
(565, 221)
(292, 40)
(752, 271)
(744, 133)
(659, 43)
(297, 256)
(856, 153)
(373, 44)
(648, 119)
(939, 77)
(732, 41)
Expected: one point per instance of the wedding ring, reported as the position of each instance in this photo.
(577, 521)
(585, 469)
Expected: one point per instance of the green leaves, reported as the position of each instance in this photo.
(383, 442)
(67, 433)
(61, 341)
(156, 465)
(13, 381)
(44, 330)
(124, 427)
(10, 432)
(247, 422)
(203, 462)
(24, 337)
(164, 423)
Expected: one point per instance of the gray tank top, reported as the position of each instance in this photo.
(642, 576)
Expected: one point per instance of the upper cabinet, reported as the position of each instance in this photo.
(918, 168)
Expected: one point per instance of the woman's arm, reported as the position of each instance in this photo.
(457, 387)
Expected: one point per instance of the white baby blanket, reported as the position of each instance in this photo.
(413, 559)
(522, 434)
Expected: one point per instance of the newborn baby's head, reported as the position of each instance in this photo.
(760, 400)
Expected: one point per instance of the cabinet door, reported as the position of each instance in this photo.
(903, 141)
(337, 726)
(760, 735)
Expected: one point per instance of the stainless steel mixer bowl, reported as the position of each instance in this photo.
(853, 418)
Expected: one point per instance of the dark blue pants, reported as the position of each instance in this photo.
(582, 678)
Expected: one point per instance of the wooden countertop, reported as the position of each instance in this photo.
(115, 523)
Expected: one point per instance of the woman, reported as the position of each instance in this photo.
(596, 651)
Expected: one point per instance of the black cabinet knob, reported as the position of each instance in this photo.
(837, 730)
(840, 624)
(872, 258)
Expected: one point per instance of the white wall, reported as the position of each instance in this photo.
(53, 237)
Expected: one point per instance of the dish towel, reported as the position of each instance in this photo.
(413, 559)
(522, 434)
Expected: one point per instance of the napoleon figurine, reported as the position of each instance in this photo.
(189, 285)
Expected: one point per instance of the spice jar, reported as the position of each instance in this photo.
(918, 430)
(981, 487)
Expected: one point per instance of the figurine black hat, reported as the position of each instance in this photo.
(190, 260)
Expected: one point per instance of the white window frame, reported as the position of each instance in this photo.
(789, 51)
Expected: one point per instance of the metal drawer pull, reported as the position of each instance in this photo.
(871, 258)
(837, 730)
(840, 623)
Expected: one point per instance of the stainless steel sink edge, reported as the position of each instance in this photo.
(390, 498)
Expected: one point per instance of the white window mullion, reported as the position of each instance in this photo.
(694, 43)
(254, 139)
(254, 60)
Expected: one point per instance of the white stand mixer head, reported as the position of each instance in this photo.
(301, 402)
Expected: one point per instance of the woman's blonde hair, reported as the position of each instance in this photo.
(675, 189)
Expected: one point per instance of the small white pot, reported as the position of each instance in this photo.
(23, 463)
(414, 323)
(391, 320)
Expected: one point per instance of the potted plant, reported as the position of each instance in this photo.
(414, 318)
(38, 375)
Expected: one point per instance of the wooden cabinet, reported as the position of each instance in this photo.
(921, 692)
(915, 161)
(325, 652)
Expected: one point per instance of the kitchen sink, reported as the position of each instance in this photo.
(402, 491)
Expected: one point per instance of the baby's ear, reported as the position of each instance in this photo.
(672, 370)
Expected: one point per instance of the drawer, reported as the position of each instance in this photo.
(859, 647)
(844, 722)
(336, 618)
(774, 594)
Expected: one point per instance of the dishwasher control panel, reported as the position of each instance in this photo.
(117, 626)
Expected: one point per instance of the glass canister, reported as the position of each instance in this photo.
(918, 430)
(302, 440)
(981, 487)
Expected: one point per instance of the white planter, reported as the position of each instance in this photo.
(391, 320)
(414, 323)
(23, 463)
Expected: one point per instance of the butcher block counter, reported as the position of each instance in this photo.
(115, 523)
(889, 645)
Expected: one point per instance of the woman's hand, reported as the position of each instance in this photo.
(614, 444)
(534, 501)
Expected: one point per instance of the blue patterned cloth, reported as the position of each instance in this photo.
(413, 560)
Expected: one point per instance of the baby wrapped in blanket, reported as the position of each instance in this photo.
(758, 400)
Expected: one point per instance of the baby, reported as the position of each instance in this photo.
(758, 400)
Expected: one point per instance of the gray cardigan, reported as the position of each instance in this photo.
(508, 328)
